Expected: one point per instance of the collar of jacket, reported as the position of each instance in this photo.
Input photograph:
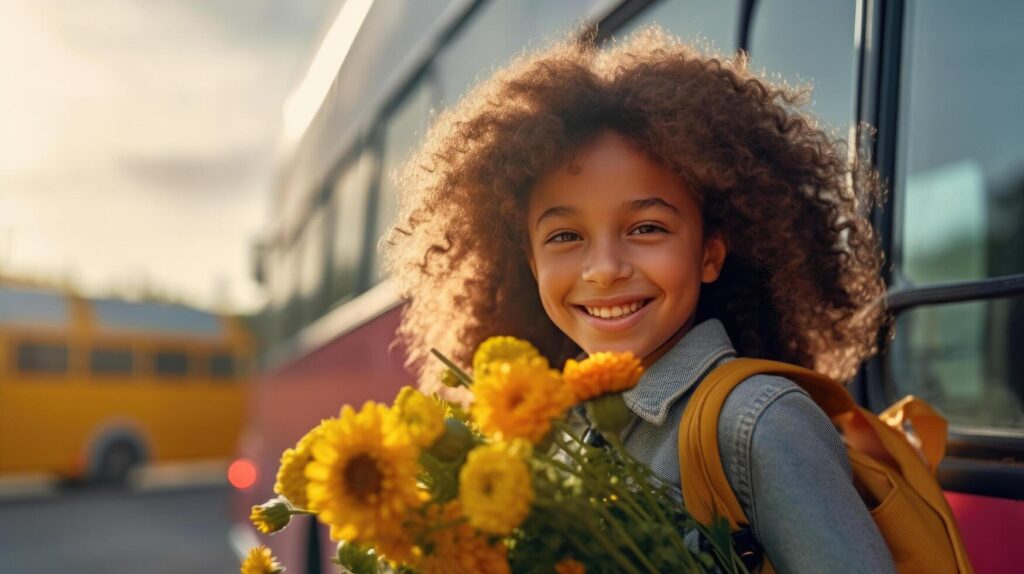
(678, 371)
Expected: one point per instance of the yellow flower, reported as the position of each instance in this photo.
(260, 561)
(461, 549)
(362, 479)
(291, 475)
(569, 566)
(500, 349)
(494, 486)
(423, 416)
(519, 399)
(601, 374)
(271, 516)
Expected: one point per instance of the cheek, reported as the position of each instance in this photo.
(676, 270)
(554, 281)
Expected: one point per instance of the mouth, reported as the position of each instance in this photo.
(614, 317)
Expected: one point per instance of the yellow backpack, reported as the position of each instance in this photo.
(893, 463)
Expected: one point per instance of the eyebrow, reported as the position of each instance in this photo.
(631, 205)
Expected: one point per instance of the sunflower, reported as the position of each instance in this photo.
(362, 479)
(601, 374)
(458, 548)
(519, 399)
(260, 561)
(422, 416)
(291, 475)
(494, 486)
(501, 349)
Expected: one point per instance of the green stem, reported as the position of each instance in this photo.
(461, 375)
(625, 535)
(603, 540)
(624, 494)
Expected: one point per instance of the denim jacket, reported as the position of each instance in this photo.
(783, 458)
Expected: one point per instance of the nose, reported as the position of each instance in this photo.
(606, 263)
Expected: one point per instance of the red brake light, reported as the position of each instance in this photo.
(242, 473)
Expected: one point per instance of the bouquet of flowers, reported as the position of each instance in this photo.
(507, 485)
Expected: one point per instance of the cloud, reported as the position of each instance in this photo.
(137, 137)
(230, 171)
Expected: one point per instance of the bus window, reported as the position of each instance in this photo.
(960, 174)
(348, 200)
(959, 213)
(111, 361)
(311, 268)
(712, 22)
(222, 366)
(402, 133)
(964, 358)
(811, 42)
(170, 364)
(495, 32)
(43, 358)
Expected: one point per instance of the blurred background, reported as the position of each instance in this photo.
(191, 195)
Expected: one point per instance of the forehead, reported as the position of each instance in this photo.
(609, 169)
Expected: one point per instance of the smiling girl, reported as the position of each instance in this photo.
(648, 198)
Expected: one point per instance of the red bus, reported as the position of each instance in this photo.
(939, 79)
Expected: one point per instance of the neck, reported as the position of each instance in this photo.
(671, 342)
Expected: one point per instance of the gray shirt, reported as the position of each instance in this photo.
(783, 457)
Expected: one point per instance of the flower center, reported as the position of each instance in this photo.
(362, 476)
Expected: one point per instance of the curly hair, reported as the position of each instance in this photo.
(801, 282)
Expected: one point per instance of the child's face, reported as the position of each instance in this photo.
(618, 249)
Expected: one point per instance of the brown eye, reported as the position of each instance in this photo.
(646, 228)
(563, 237)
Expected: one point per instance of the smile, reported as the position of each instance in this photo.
(614, 318)
(615, 311)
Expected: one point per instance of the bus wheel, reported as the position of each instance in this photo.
(116, 461)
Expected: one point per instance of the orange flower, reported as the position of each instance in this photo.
(460, 549)
(601, 374)
(519, 399)
(569, 566)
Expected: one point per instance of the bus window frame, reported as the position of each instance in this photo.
(115, 345)
(15, 341)
(976, 461)
(190, 367)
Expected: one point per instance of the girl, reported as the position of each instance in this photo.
(652, 199)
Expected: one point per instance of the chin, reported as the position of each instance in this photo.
(615, 347)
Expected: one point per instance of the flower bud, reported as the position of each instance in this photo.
(454, 443)
(356, 559)
(609, 413)
(271, 516)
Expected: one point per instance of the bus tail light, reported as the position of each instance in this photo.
(242, 473)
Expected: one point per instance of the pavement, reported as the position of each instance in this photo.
(167, 520)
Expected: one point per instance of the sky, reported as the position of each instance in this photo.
(137, 139)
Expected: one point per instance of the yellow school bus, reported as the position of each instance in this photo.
(90, 388)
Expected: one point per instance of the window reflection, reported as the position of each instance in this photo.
(809, 41)
(961, 169)
(712, 22)
(965, 359)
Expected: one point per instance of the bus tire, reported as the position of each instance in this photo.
(116, 462)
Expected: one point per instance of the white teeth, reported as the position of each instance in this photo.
(616, 311)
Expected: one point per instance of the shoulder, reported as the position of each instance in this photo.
(788, 466)
(770, 420)
(767, 402)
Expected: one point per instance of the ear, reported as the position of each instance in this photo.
(532, 262)
(715, 250)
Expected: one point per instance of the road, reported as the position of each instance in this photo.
(104, 531)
